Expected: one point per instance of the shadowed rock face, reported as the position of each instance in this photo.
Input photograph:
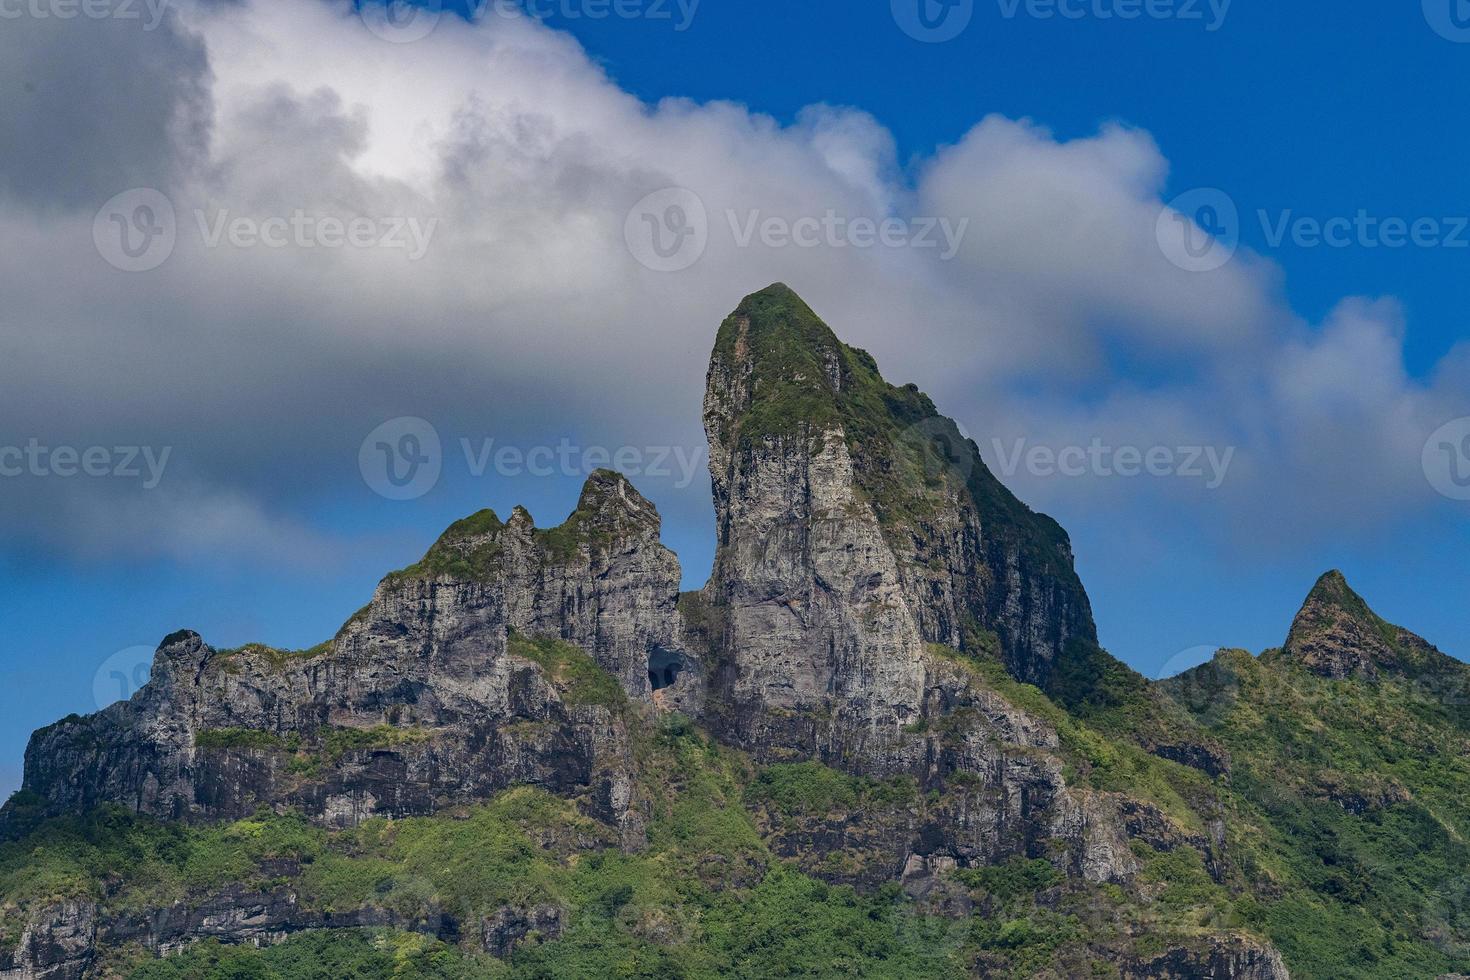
(1336, 635)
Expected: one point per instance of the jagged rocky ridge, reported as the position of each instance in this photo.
(433, 694)
(877, 602)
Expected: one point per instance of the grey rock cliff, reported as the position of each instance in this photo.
(823, 473)
(856, 566)
(421, 701)
(846, 545)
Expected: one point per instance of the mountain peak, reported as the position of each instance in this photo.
(1336, 634)
(778, 331)
(805, 431)
(611, 501)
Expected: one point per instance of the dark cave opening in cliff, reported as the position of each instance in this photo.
(663, 669)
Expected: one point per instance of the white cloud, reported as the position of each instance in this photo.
(528, 317)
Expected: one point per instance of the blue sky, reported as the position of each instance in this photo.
(1313, 109)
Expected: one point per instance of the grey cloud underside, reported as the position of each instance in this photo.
(93, 107)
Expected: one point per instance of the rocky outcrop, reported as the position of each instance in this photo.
(850, 513)
(1336, 635)
(511, 927)
(431, 695)
(845, 558)
(1221, 958)
(61, 941)
(58, 944)
(814, 639)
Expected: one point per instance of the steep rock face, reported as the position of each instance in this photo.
(601, 580)
(849, 550)
(438, 692)
(989, 786)
(57, 944)
(854, 526)
(1336, 635)
(1234, 958)
(62, 941)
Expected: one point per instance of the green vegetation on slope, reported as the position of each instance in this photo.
(812, 789)
(706, 897)
(1338, 830)
(468, 549)
(574, 672)
(1347, 812)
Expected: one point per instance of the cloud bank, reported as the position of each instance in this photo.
(1057, 322)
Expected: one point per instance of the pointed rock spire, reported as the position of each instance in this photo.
(1337, 635)
(815, 459)
(611, 504)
